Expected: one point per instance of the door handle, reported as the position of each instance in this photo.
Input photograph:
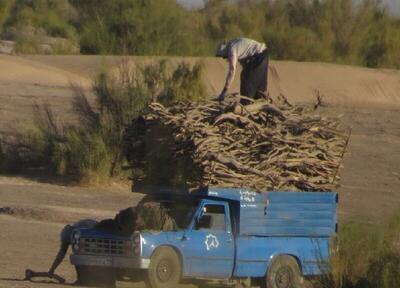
(229, 240)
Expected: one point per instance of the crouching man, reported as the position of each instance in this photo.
(124, 224)
(65, 242)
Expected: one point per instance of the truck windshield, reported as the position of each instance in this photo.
(166, 214)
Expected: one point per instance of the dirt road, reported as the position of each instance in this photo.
(32, 215)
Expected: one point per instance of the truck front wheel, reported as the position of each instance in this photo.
(284, 272)
(165, 269)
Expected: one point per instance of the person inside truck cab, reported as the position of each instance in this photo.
(212, 217)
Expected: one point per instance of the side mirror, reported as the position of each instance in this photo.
(204, 222)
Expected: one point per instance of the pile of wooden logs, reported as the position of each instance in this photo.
(257, 144)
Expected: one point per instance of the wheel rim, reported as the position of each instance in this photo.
(284, 277)
(164, 270)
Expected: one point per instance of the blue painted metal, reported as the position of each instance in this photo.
(258, 227)
(282, 213)
(205, 253)
(254, 254)
(210, 252)
(288, 214)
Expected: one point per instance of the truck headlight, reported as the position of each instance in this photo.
(75, 236)
(136, 240)
(137, 243)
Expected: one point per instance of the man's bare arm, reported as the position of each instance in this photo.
(231, 74)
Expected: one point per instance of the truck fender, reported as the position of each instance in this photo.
(275, 256)
(177, 251)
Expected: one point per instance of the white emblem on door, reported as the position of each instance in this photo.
(211, 242)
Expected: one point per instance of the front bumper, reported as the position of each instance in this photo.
(110, 261)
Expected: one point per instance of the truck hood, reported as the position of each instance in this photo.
(150, 235)
(93, 233)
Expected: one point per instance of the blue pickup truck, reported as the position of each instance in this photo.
(271, 239)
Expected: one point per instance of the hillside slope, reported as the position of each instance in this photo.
(341, 85)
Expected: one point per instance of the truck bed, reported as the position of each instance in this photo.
(301, 214)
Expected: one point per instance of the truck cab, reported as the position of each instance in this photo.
(271, 239)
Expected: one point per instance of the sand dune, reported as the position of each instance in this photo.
(340, 84)
(19, 70)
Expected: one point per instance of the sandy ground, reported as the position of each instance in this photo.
(340, 84)
(36, 213)
(32, 211)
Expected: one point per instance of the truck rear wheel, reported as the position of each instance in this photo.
(93, 276)
(165, 269)
(284, 272)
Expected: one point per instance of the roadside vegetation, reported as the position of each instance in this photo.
(341, 31)
(91, 150)
(368, 256)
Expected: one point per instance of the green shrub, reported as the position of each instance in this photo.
(296, 43)
(384, 271)
(64, 46)
(5, 12)
(2, 158)
(368, 257)
(154, 27)
(27, 47)
(25, 149)
(95, 39)
(93, 151)
(185, 84)
(342, 31)
(56, 26)
(31, 22)
(35, 139)
(82, 156)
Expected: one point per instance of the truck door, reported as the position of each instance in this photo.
(209, 242)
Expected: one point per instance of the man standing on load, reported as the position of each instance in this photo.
(253, 56)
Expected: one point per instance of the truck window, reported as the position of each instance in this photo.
(159, 214)
(216, 215)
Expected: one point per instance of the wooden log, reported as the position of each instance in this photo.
(260, 145)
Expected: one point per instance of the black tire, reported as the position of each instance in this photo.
(284, 272)
(165, 270)
(93, 276)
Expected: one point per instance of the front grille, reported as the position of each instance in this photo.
(104, 246)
